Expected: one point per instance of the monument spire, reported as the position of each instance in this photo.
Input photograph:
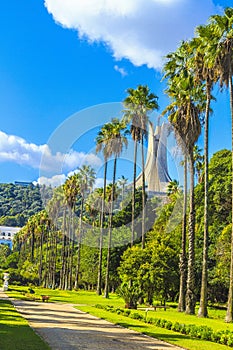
(156, 169)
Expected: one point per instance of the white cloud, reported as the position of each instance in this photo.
(99, 182)
(141, 31)
(54, 181)
(17, 150)
(58, 180)
(121, 70)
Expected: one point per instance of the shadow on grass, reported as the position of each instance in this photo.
(20, 337)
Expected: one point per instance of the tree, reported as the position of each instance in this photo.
(116, 143)
(173, 188)
(183, 254)
(85, 180)
(138, 104)
(198, 162)
(222, 40)
(184, 113)
(204, 71)
(103, 144)
(130, 273)
(71, 190)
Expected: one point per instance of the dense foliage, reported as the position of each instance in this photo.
(18, 203)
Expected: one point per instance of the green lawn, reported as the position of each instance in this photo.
(153, 331)
(86, 301)
(73, 297)
(15, 333)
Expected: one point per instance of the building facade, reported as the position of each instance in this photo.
(7, 235)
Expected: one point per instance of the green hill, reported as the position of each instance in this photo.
(18, 203)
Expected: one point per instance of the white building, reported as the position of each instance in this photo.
(7, 235)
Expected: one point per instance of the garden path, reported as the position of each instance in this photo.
(65, 328)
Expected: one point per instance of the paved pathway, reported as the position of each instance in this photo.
(65, 328)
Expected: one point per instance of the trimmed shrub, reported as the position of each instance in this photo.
(136, 316)
(168, 325)
(126, 312)
(194, 331)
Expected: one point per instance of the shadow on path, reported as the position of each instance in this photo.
(64, 327)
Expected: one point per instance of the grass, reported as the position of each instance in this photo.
(15, 332)
(153, 331)
(86, 301)
(72, 297)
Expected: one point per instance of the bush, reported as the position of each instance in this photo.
(150, 320)
(168, 325)
(200, 332)
(119, 311)
(230, 340)
(215, 337)
(176, 327)
(126, 312)
(136, 316)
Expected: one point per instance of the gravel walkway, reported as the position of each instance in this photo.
(65, 328)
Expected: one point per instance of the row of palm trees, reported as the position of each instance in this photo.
(191, 72)
(66, 208)
(110, 140)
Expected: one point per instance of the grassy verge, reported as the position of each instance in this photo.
(153, 331)
(15, 332)
(72, 297)
(87, 300)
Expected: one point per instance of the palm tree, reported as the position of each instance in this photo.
(138, 104)
(56, 207)
(71, 191)
(85, 180)
(198, 162)
(204, 70)
(93, 205)
(183, 254)
(116, 143)
(222, 43)
(184, 112)
(42, 227)
(173, 188)
(102, 144)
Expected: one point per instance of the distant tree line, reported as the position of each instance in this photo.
(18, 203)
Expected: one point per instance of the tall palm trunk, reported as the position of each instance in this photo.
(183, 256)
(63, 253)
(41, 256)
(133, 192)
(45, 283)
(203, 312)
(99, 282)
(72, 250)
(190, 293)
(32, 245)
(229, 314)
(54, 262)
(106, 291)
(79, 244)
(143, 194)
(67, 275)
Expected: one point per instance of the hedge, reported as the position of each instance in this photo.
(199, 332)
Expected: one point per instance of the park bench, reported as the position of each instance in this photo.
(45, 298)
(153, 307)
(160, 307)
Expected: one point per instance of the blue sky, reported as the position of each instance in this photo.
(65, 67)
